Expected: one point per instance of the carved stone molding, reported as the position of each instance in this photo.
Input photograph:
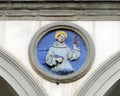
(18, 77)
(103, 78)
(59, 10)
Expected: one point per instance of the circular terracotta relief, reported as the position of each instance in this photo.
(61, 52)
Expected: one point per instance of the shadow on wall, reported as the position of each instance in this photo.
(6, 89)
(114, 90)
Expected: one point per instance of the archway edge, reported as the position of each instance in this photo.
(18, 76)
(107, 73)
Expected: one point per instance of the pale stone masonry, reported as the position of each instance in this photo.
(60, 9)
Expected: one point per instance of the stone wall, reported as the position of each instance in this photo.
(60, 10)
(15, 37)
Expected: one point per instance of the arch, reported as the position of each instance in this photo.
(103, 78)
(6, 89)
(114, 90)
(18, 77)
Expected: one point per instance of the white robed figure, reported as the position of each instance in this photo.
(60, 54)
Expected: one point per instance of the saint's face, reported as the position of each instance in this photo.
(61, 38)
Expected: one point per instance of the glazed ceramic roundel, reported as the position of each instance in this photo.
(61, 52)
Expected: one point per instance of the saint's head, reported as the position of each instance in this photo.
(61, 36)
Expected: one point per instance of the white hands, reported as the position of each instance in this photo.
(59, 60)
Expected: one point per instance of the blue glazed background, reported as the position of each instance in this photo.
(47, 41)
